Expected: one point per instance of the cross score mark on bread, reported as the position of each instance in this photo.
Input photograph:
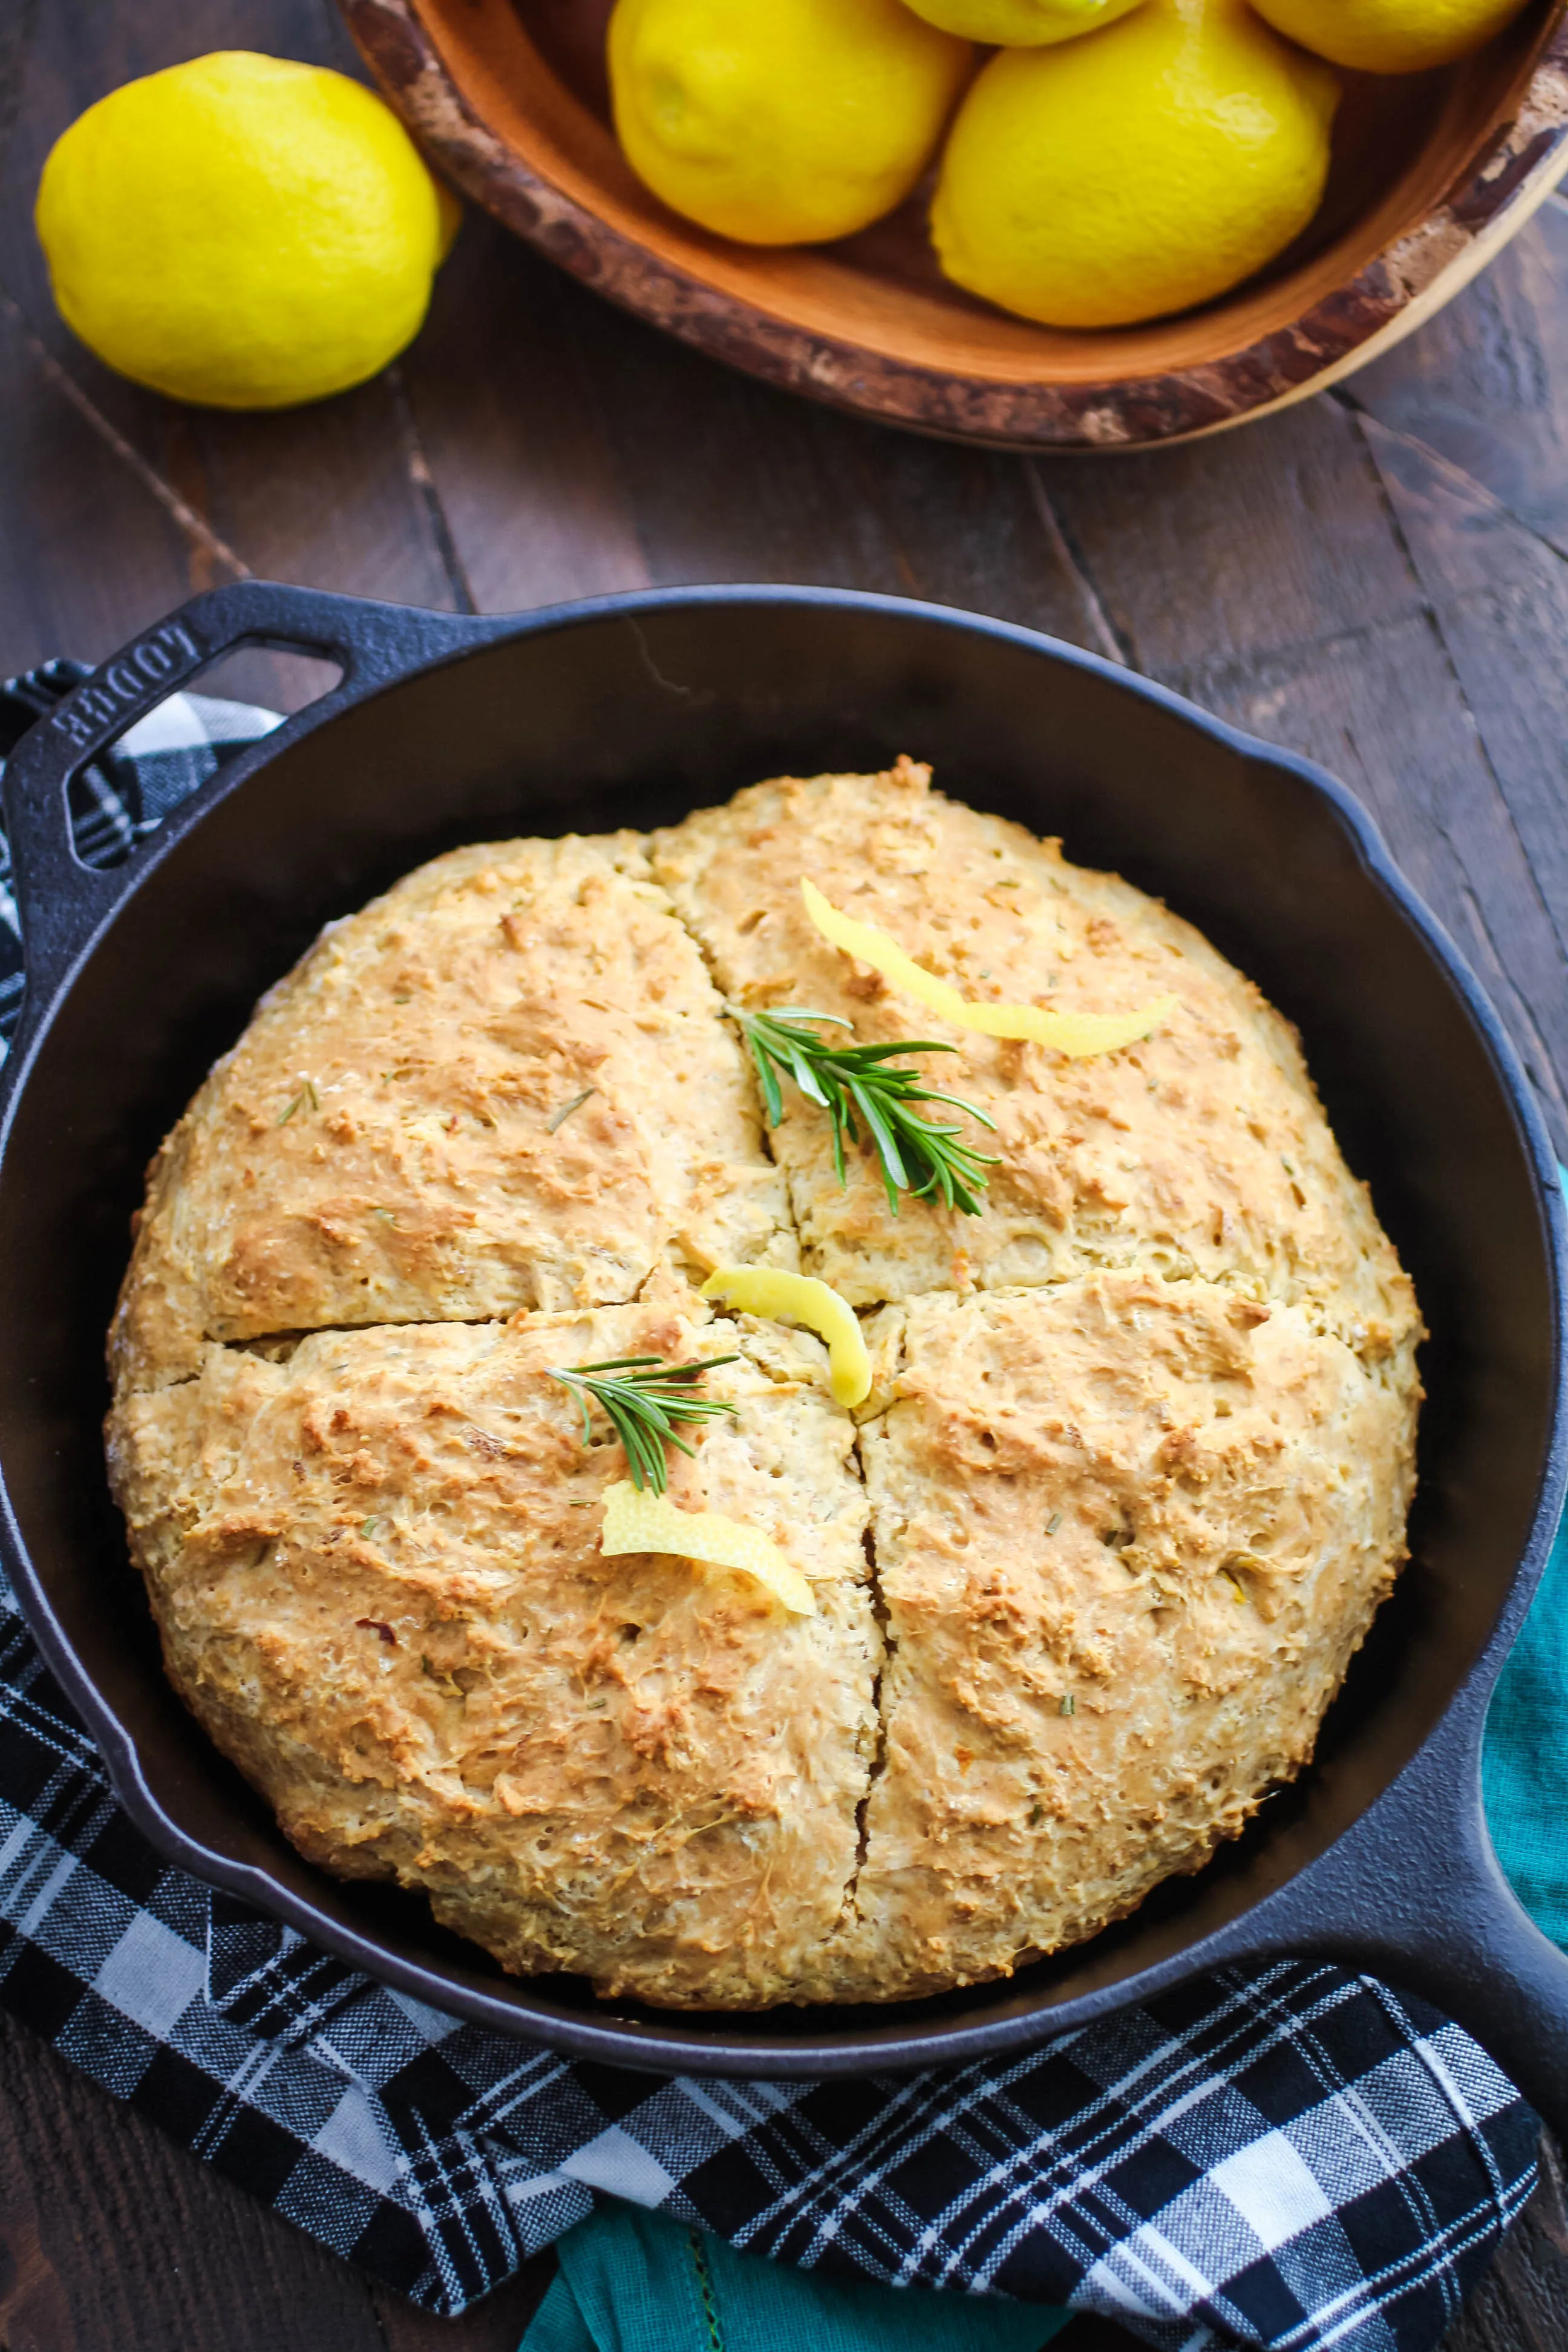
(1088, 1563)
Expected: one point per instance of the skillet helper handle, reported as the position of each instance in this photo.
(59, 901)
(1415, 1895)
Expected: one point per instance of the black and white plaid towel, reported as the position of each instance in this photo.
(1289, 2156)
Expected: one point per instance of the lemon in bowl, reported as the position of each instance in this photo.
(780, 122)
(241, 231)
(1390, 36)
(1021, 23)
(1102, 182)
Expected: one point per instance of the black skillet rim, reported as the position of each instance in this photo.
(438, 641)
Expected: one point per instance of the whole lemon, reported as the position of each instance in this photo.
(780, 122)
(241, 232)
(1021, 23)
(1149, 168)
(1390, 36)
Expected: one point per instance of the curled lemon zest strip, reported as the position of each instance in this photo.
(801, 1298)
(1075, 1034)
(648, 1522)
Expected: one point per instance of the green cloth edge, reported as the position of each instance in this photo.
(635, 2281)
(1524, 1756)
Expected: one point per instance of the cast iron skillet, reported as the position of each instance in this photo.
(633, 710)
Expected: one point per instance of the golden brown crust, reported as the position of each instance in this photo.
(1128, 1533)
(377, 1576)
(1201, 1151)
(1130, 1483)
(392, 1138)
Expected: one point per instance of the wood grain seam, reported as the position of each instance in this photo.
(1533, 1051)
(1214, 684)
(1448, 467)
(427, 498)
(14, 49)
(377, 2316)
(1552, 2192)
(168, 497)
(1432, 612)
(1518, 2305)
(1109, 640)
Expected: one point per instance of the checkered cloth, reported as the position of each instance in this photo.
(1287, 2155)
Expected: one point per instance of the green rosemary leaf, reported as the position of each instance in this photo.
(644, 1398)
(856, 1087)
(558, 1118)
(307, 1094)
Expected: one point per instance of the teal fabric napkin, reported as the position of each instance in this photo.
(1524, 1772)
(1524, 1765)
(632, 2281)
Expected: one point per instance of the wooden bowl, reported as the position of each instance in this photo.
(1431, 174)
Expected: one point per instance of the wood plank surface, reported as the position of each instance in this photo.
(1378, 578)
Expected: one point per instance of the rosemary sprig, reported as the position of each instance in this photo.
(558, 1118)
(307, 1094)
(645, 1398)
(918, 1155)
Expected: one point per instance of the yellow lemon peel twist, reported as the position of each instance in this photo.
(648, 1522)
(1075, 1034)
(802, 1298)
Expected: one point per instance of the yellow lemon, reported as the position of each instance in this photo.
(1021, 23)
(241, 232)
(1390, 36)
(780, 122)
(1149, 168)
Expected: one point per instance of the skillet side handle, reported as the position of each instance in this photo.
(60, 902)
(1415, 1895)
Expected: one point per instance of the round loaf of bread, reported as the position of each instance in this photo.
(1088, 1563)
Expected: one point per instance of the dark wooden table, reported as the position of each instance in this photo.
(1378, 578)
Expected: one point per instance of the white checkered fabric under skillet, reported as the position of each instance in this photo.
(1287, 2155)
